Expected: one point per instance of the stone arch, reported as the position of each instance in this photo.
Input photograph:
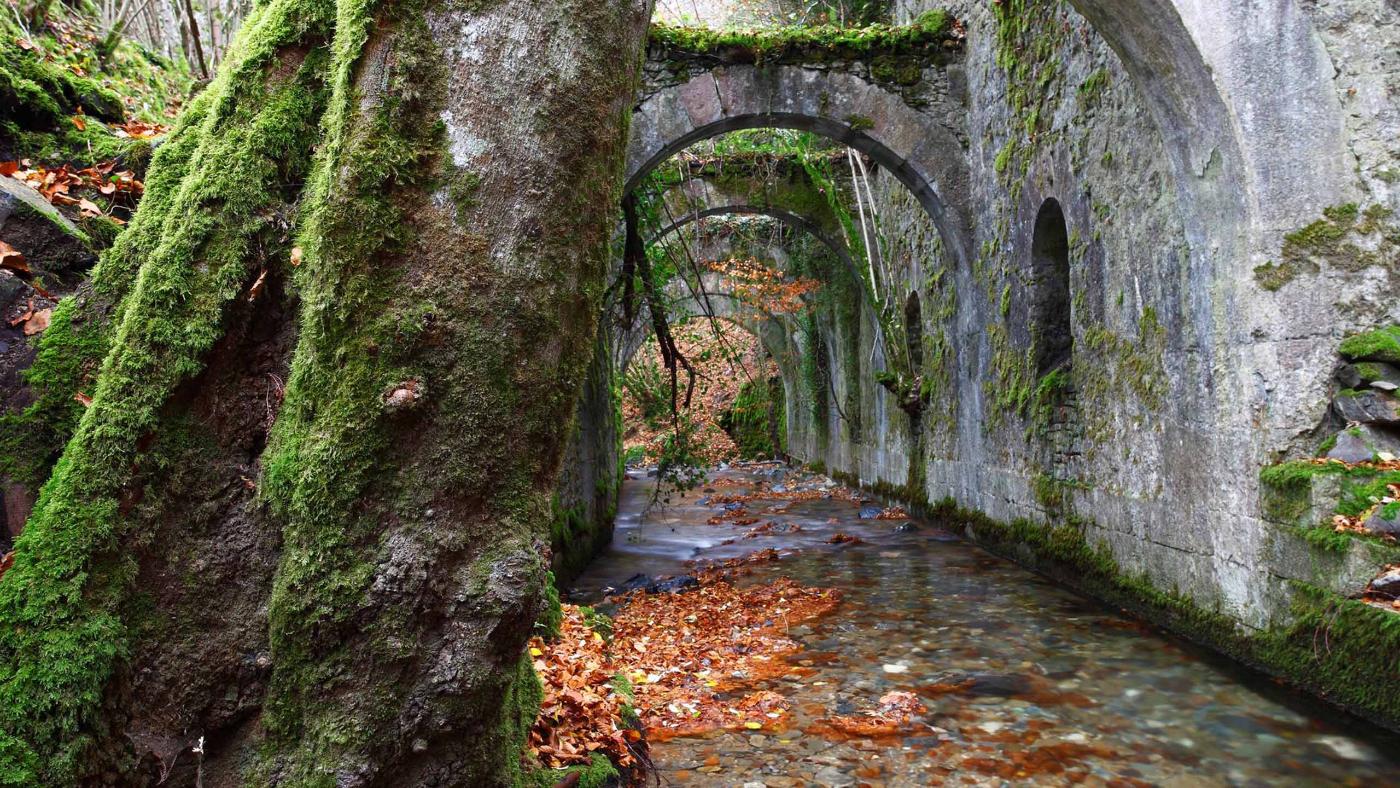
(1236, 89)
(789, 218)
(924, 148)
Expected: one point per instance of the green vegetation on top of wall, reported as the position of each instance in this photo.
(930, 39)
(1287, 497)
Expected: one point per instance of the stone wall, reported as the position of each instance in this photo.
(585, 501)
(1203, 346)
(1119, 244)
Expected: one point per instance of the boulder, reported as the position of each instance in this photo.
(1364, 443)
(1348, 376)
(870, 511)
(905, 528)
(1367, 406)
(1379, 523)
(1386, 584)
(53, 247)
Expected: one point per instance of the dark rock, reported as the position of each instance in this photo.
(1377, 375)
(1349, 376)
(870, 511)
(673, 584)
(653, 585)
(651, 473)
(634, 583)
(905, 528)
(1367, 407)
(1386, 584)
(1363, 443)
(53, 247)
(1378, 523)
(732, 506)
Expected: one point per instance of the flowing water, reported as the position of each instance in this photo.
(1025, 682)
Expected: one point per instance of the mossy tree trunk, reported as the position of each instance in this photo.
(304, 516)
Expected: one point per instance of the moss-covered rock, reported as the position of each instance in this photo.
(1382, 344)
(56, 251)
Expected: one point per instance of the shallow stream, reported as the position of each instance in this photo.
(1024, 680)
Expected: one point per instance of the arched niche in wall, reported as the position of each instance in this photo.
(914, 333)
(1051, 307)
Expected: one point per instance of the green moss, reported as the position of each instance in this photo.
(553, 616)
(599, 773)
(1359, 667)
(1273, 276)
(41, 89)
(859, 122)
(461, 190)
(1383, 345)
(1011, 386)
(1327, 445)
(1051, 392)
(929, 39)
(1347, 238)
(1287, 498)
(1029, 34)
(1094, 86)
(65, 604)
(747, 420)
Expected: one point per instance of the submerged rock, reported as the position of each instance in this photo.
(654, 585)
(673, 584)
(998, 684)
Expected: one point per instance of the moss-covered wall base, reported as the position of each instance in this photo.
(585, 500)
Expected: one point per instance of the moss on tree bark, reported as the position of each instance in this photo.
(454, 232)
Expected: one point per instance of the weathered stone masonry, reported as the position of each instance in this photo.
(1185, 145)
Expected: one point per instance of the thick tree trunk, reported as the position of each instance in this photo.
(348, 605)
